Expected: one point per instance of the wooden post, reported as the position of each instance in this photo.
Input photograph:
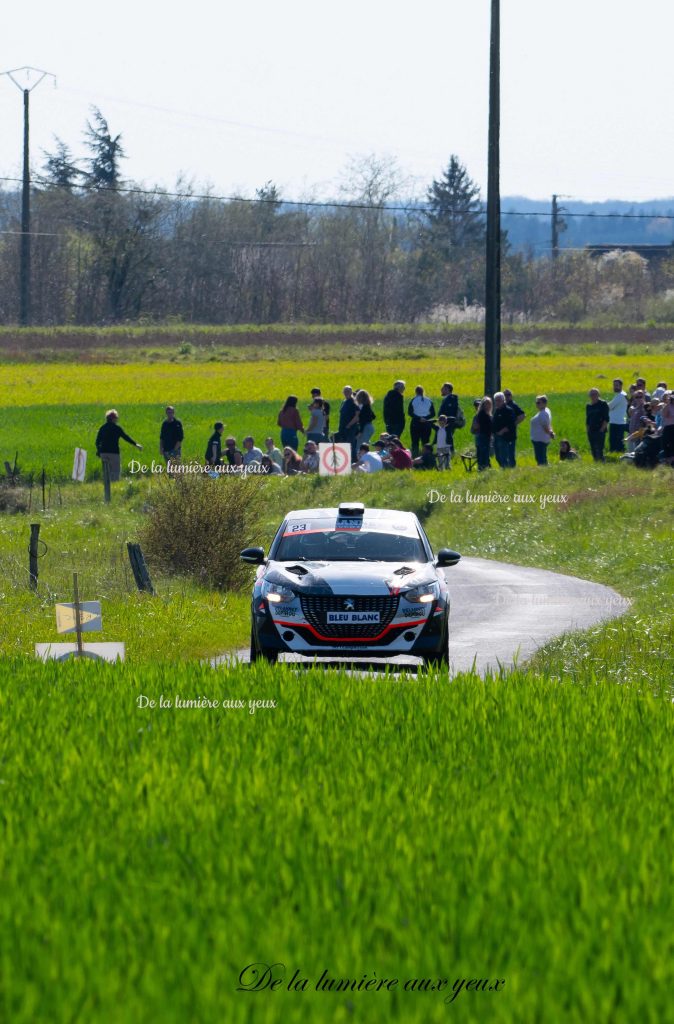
(32, 551)
(139, 568)
(106, 482)
(78, 624)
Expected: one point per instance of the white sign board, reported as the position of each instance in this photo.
(80, 464)
(90, 617)
(96, 652)
(334, 459)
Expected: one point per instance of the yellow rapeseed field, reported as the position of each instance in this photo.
(26, 384)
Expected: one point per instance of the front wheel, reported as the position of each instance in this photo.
(258, 654)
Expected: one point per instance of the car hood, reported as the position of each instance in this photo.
(351, 578)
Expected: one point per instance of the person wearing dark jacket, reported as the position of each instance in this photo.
(107, 444)
(449, 407)
(596, 420)
(171, 436)
(504, 431)
(213, 454)
(394, 409)
(483, 428)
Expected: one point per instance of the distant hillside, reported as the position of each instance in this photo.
(535, 231)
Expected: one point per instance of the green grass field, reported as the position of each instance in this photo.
(518, 827)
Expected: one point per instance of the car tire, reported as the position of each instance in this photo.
(439, 659)
(257, 654)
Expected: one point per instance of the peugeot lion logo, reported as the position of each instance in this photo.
(348, 604)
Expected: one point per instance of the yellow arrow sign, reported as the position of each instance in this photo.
(90, 617)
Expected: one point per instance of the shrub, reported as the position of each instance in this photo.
(13, 499)
(197, 527)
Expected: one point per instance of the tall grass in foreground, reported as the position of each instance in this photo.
(518, 828)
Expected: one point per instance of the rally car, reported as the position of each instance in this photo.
(350, 581)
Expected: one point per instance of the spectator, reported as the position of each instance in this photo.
(541, 430)
(443, 443)
(483, 428)
(292, 462)
(660, 390)
(637, 412)
(316, 427)
(596, 421)
(617, 418)
(231, 452)
(348, 420)
(400, 456)
(290, 422)
(316, 393)
(269, 467)
(213, 456)
(171, 436)
(309, 463)
(273, 452)
(449, 407)
(520, 417)
(366, 417)
(251, 454)
(566, 452)
(505, 428)
(427, 459)
(107, 444)
(394, 409)
(421, 410)
(668, 425)
(369, 462)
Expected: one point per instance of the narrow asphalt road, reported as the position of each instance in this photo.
(501, 614)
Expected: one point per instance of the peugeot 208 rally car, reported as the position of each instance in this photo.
(350, 581)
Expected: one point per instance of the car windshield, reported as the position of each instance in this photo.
(350, 546)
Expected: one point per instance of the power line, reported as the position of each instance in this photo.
(334, 204)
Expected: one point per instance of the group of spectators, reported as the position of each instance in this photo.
(639, 425)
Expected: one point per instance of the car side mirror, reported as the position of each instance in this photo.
(447, 557)
(254, 556)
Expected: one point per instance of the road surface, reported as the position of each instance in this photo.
(501, 614)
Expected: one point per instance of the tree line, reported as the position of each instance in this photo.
(106, 251)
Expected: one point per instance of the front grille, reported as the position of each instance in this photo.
(316, 607)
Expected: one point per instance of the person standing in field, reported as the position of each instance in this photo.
(316, 426)
(617, 418)
(316, 393)
(504, 431)
(213, 456)
(520, 417)
(596, 421)
(366, 417)
(348, 420)
(482, 428)
(171, 437)
(394, 409)
(421, 411)
(449, 407)
(541, 430)
(290, 422)
(107, 444)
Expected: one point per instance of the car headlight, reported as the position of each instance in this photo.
(423, 594)
(275, 593)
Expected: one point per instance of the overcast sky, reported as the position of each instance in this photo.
(233, 95)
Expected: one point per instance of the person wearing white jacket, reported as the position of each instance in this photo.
(617, 418)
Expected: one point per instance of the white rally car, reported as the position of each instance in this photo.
(350, 581)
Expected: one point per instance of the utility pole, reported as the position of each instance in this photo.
(558, 225)
(492, 325)
(24, 253)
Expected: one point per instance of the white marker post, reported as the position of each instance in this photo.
(79, 465)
